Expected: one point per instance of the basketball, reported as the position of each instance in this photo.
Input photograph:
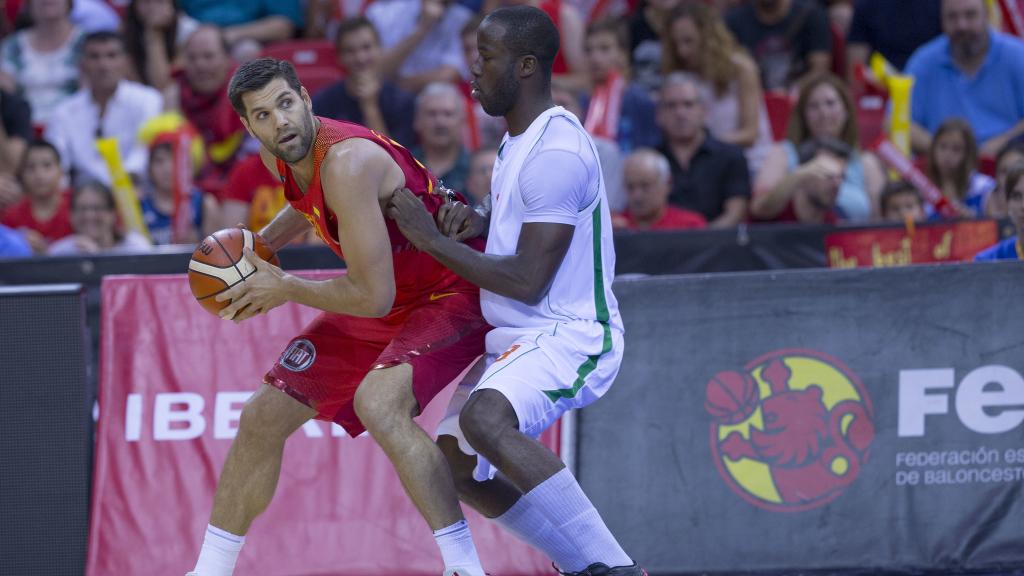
(217, 264)
(731, 397)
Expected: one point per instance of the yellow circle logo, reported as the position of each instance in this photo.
(791, 430)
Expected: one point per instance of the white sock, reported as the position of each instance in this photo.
(526, 522)
(561, 500)
(457, 548)
(219, 553)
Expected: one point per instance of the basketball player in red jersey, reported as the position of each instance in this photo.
(396, 329)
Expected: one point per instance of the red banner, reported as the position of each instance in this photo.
(172, 384)
(949, 242)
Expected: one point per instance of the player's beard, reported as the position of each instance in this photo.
(504, 97)
(298, 150)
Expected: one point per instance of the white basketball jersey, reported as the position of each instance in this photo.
(581, 293)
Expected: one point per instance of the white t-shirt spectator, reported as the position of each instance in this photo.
(76, 124)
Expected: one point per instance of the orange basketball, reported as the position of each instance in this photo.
(217, 264)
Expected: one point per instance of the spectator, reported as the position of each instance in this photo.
(646, 29)
(893, 29)
(708, 176)
(252, 196)
(648, 183)
(478, 182)
(970, 72)
(953, 168)
(154, 31)
(608, 153)
(789, 39)
(823, 109)
(158, 202)
(15, 133)
(94, 215)
(44, 215)
(41, 61)
(811, 198)
(1009, 157)
(13, 244)
(421, 40)
(698, 42)
(248, 24)
(901, 202)
(1011, 248)
(203, 98)
(363, 96)
(108, 107)
(619, 110)
(438, 126)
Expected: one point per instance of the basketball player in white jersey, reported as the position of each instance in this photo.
(545, 282)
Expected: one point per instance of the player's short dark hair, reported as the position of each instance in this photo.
(528, 32)
(614, 26)
(809, 149)
(103, 36)
(897, 188)
(255, 75)
(350, 25)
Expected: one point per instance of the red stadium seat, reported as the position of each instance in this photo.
(315, 78)
(303, 53)
(314, 60)
(779, 106)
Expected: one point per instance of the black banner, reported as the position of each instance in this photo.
(810, 420)
(46, 431)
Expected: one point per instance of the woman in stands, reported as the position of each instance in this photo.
(41, 61)
(94, 218)
(953, 168)
(153, 32)
(824, 109)
(698, 42)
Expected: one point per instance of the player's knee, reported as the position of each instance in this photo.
(485, 417)
(380, 408)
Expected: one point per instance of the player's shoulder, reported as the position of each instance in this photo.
(562, 134)
(355, 162)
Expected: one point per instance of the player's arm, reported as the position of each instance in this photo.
(288, 223)
(351, 178)
(554, 200)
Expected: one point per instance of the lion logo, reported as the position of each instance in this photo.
(791, 431)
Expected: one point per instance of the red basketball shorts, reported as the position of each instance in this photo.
(438, 334)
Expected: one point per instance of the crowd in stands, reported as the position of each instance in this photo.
(705, 113)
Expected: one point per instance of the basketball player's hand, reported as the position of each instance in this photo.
(412, 218)
(459, 222)
(261, 292)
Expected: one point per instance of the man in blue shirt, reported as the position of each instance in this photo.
(1010, 249)
(970, 72)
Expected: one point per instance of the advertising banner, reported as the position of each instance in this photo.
(173, 382)
(946, 242)
(816, 420)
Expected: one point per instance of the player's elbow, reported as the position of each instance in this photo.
(380, 305)
(376, 302)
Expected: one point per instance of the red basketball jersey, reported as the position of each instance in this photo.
(416, 273)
